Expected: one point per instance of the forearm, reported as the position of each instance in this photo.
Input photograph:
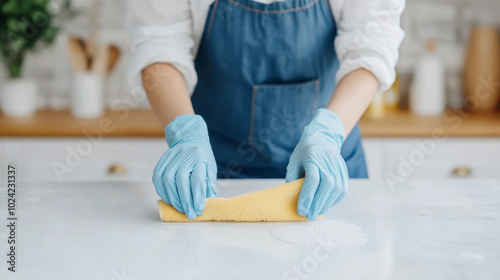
(166, 91)
(352, 96)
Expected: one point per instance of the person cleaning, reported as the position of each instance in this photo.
(262, 89)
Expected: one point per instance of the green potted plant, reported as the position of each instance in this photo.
(24, 26)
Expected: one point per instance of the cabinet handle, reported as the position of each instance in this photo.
(462, 171)
(117, 169)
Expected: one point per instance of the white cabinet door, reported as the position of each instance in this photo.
(79, 159)
(9, 154)
(446, 158)
(133, 159)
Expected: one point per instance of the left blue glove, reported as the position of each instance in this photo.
(318, 156)
(186, 173)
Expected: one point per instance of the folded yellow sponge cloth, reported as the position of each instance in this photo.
(277, 204)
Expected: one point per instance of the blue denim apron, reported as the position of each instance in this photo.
(264, 70)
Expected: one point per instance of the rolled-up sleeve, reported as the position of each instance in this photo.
(369, 36)
(161, 31)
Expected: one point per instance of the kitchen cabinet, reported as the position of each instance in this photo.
(83, 159)
(133, 159)
(431, 158)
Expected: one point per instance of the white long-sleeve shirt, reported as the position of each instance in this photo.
(169, 31)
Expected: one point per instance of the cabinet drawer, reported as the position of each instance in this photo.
(78, 159)
(445, 158)
(133, 159)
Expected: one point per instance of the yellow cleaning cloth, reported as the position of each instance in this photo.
(277, 204)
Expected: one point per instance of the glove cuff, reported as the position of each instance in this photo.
(184, 128)
(328, 123)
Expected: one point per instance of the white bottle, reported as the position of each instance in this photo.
(427, 94)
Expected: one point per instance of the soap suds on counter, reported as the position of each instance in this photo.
(327, 233)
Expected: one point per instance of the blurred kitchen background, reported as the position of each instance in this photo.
(439, 119)
(449, 22)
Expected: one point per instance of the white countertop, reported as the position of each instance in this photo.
(418, 230)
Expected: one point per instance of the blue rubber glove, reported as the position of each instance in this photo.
(187, 172)
(318, 156)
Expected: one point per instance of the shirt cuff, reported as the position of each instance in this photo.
(385, 75)
(148, 54)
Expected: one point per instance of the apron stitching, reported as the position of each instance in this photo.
(275, 11)
(252, 115)
(212, 16)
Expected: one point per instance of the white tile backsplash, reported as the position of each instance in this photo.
(447, 20)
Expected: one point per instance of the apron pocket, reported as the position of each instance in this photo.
(279, 114)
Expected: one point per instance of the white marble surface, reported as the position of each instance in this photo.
(418, 230)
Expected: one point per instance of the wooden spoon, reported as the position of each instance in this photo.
(100, 60)
(77, 55)
(114, 55)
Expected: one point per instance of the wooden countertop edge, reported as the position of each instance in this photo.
(149, 134)
(143, 124)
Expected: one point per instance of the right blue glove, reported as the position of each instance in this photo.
(318, 156)
(187, 172)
